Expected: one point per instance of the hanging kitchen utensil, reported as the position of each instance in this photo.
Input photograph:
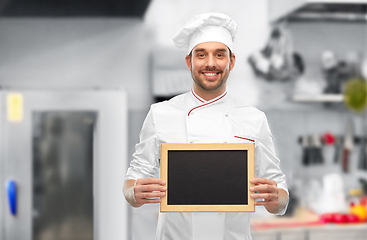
(337, 149)
(348, 145)
(362, 161)
(364, 185)
(319, 158)
(328, 149)
(313, 155)
(305, 151)
(260, 61)
(277, 61)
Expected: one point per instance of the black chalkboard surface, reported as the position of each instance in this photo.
(207, 177)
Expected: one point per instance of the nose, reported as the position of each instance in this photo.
(210, 61)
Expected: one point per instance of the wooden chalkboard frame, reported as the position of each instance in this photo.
(250, 149)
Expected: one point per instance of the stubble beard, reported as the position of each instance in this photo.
(212, 88)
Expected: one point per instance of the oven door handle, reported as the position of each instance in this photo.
(11, 188)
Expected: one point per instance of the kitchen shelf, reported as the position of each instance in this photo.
(329, 16)
(318, 98)
(339, 10)
(338, 1)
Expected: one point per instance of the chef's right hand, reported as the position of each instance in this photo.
(145, 190)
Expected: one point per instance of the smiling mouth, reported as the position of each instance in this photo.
(210, 75)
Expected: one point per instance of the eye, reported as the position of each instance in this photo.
(220, 55)
(201, 55)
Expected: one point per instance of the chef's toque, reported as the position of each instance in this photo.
(207, 27)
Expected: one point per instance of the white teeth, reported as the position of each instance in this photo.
(210, 74)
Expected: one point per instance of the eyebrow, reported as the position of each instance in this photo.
(199, 50)
(203, 49)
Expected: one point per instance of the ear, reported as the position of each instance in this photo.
(188, 62)
(233, 61)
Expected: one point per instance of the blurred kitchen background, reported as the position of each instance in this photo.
(78, 77)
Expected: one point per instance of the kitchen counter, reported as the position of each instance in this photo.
(321, 232)
(305, 226)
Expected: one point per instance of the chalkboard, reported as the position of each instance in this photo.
(207, 177)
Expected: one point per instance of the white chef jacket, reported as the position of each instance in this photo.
(187, 118)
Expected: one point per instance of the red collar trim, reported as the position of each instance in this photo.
(193, 93)
(213, 101)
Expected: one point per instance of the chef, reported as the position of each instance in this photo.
(206, 114)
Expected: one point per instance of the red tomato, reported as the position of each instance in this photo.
(352, 218)
(328, 217)
(340, 218)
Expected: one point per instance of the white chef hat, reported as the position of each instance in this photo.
(206, 27)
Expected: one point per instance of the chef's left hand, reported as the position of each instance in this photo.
(275, 198)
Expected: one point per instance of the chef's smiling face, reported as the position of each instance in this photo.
(210, 64)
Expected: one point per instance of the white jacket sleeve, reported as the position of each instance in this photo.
(269, 163)
(145, 163)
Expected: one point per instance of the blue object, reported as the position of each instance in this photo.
(11, 188)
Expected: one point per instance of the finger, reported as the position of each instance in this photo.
(151, 195)
(143, 201)
(263, 203)
(262, 181)
(158, 200)
(150, 188)
(265, 196)
(147, 181)
(264, 188)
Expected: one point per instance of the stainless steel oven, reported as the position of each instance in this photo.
(63, 156)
